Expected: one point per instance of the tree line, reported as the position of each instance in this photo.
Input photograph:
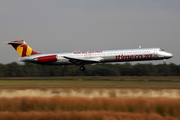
(35, 70)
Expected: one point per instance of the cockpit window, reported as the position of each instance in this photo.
(161, 49)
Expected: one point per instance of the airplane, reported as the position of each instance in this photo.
(80, 58)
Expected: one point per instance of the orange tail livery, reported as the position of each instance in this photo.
(22, 48)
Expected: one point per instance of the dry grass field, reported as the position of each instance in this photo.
(76, 108)
(58, 108)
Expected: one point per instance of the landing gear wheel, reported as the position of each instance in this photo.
(82, 68)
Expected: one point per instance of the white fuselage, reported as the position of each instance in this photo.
(99, 56)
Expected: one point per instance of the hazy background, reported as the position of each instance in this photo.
(68, 25)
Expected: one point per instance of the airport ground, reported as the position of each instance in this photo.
(91, 98)
(126, 81)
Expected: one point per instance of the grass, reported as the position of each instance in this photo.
(86, 115)
(161, 78)
(90, 109)
(92, 81)
(57, 108)
(125, 81)
(163, 106)
(19, 83)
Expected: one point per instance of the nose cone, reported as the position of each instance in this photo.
(169, 55)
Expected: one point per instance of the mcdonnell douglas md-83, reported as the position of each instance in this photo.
(88, 57)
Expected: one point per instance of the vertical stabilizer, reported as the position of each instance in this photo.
(22, 48)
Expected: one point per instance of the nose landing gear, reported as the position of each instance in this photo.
(164, 62)
(82, 68)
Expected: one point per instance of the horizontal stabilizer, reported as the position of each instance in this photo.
(18, 42)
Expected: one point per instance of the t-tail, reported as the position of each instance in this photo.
(22, 48)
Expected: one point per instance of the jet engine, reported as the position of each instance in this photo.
(50, 58)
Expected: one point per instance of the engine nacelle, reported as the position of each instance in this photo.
(50, 58)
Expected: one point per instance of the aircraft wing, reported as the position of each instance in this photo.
(82, 60)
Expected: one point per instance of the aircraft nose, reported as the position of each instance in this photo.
(170, 55)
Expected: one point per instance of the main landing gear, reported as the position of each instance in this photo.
(82, 68)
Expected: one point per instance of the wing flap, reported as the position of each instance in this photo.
(95, 60)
